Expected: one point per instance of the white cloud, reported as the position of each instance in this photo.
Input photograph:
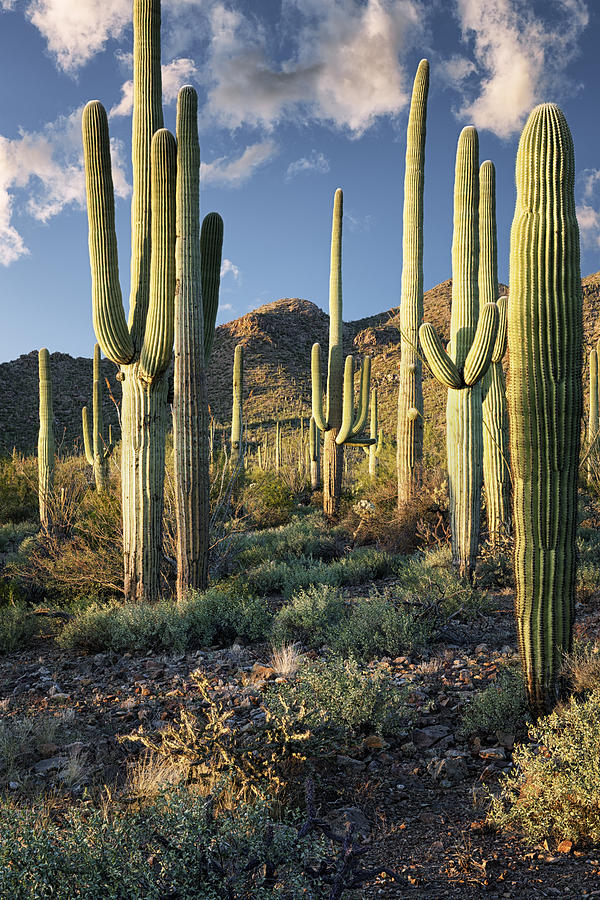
(589, 225)
(316, 162)
(235, 171)
(345, 69)
(48, 166)
(227, 268)
(587, 189)
(174, 75)
(520, 58)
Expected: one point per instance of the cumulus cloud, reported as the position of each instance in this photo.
(519, 58)
(234, 172)
(228, 268)
(174, 75)
(345, 68)
(588, 193)
(46, 167)
(315, 162)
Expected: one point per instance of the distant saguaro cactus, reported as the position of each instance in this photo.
(594, 418)
(237, 446)
(376, 435)
(545, 333)
(97, 451)
(45, 440)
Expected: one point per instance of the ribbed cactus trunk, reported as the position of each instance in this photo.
(96, 451)
(237, 449)
(594, 419)
(409, 435)
(45, 440)
(375, 448)
(314, 452)
(333, 453)
(141, 346)
(545, 398)
(496, 474)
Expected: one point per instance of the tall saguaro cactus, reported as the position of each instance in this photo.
(545, 335)
(594, 418)
(143, 344)
(409, 435)
(496, 474)
(340, 422)
(237, 447)
(190, 402)
(97, 452)
(45, 440)
(314, 452)
(462, 366)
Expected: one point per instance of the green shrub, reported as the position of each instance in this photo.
(430, 579)
(18, 489)
(267, 499)
(501, 706)
(554, 789)
(313, 617)
(307, 537)
(17, 627)
(379, 625)
(12, 535)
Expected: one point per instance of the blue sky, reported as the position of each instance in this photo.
(297, 98)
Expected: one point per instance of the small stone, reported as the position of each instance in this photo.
(374, 742)
(565, 847)
(354, 816)
(261, 673)
(348, 762)
(13, 785)
(44, 766)
(451, 770)
(493, 753)
(427, 737)
(506, 739)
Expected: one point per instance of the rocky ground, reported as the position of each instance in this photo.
(419, 802)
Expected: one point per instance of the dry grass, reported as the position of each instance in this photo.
(147, 776)
(285, 660)
(582, 668)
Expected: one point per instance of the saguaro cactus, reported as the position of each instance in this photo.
(472, 338)
(314, 452)
(237, 447)
(545, 398)
(409, 436)
(594, 419)
(278, 454)
(341, 423)
(45, 440)
(97, 451)
(197, 279)
(496, 475)
(376, 435)
(141, 346)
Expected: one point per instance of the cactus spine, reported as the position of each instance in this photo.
(472, 339)
(45, 440)
(340, 422)
(190, 402)
(545, 398)
(496, 475)
(97, 452)
(141, 346)
(594, 419)
(314, 440)
(237, 448)
(409, 436)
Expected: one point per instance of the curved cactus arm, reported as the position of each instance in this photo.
(479, 356)
(345, 432)
(87, 440)
(360, 442)
(362, 412)
(317, 388)
(440, 363)
(211, 250)
(158, 336)
(109, 320)
(502, 333)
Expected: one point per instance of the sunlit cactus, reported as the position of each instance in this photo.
(97, 450)
(237, 446)
(45, 441)
(314, 452)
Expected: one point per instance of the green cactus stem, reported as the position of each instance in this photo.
(376, 434)
(409, 433)
(545, 334)
(211, 249)
(237, 447)
(341, 423)
(45, 441)
(314, 452)
(97, 451)
(278, 448)
(142, 345)
(594, 419)
(472, 340)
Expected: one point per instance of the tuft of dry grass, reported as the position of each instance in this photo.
(581, 668)
(152, 772)
(286, 659)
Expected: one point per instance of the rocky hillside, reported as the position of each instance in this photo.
(277, 340)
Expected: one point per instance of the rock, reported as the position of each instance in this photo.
(348, 762)
(374, 742)
(261, 673)
(44, 766)
(505, 739)
(354, 816)
(565, 847)
(493, 753)
(423, 738)
(452, 770)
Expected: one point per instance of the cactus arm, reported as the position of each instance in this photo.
(211, 249)
(479, 356)
(502, 334)
(317, 389)
(379, 445)
(87, 444)
(440, 363)
(110, 325)
(345, 431)
(158, 337)
(363, 400)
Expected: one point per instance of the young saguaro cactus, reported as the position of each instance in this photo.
(142, 345)
(314, 453)
(462, 367)
(340, 422)
(409, 434)
(545, 334)
(496, 473)
(237, 447)
(376, 435)
(594, 418)
(97, 452)
(198, 262)
(45, 440)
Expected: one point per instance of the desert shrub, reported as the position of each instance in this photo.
(501, 706)
(12, 535)
(17, 627)
(201, 620)
(553, 790)
(430, 579)
(382, 625)
(309, 536)
(581, 667)
(313, 617)
(267, 499)
(18, 489)
(23, 738)
(495, 565)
